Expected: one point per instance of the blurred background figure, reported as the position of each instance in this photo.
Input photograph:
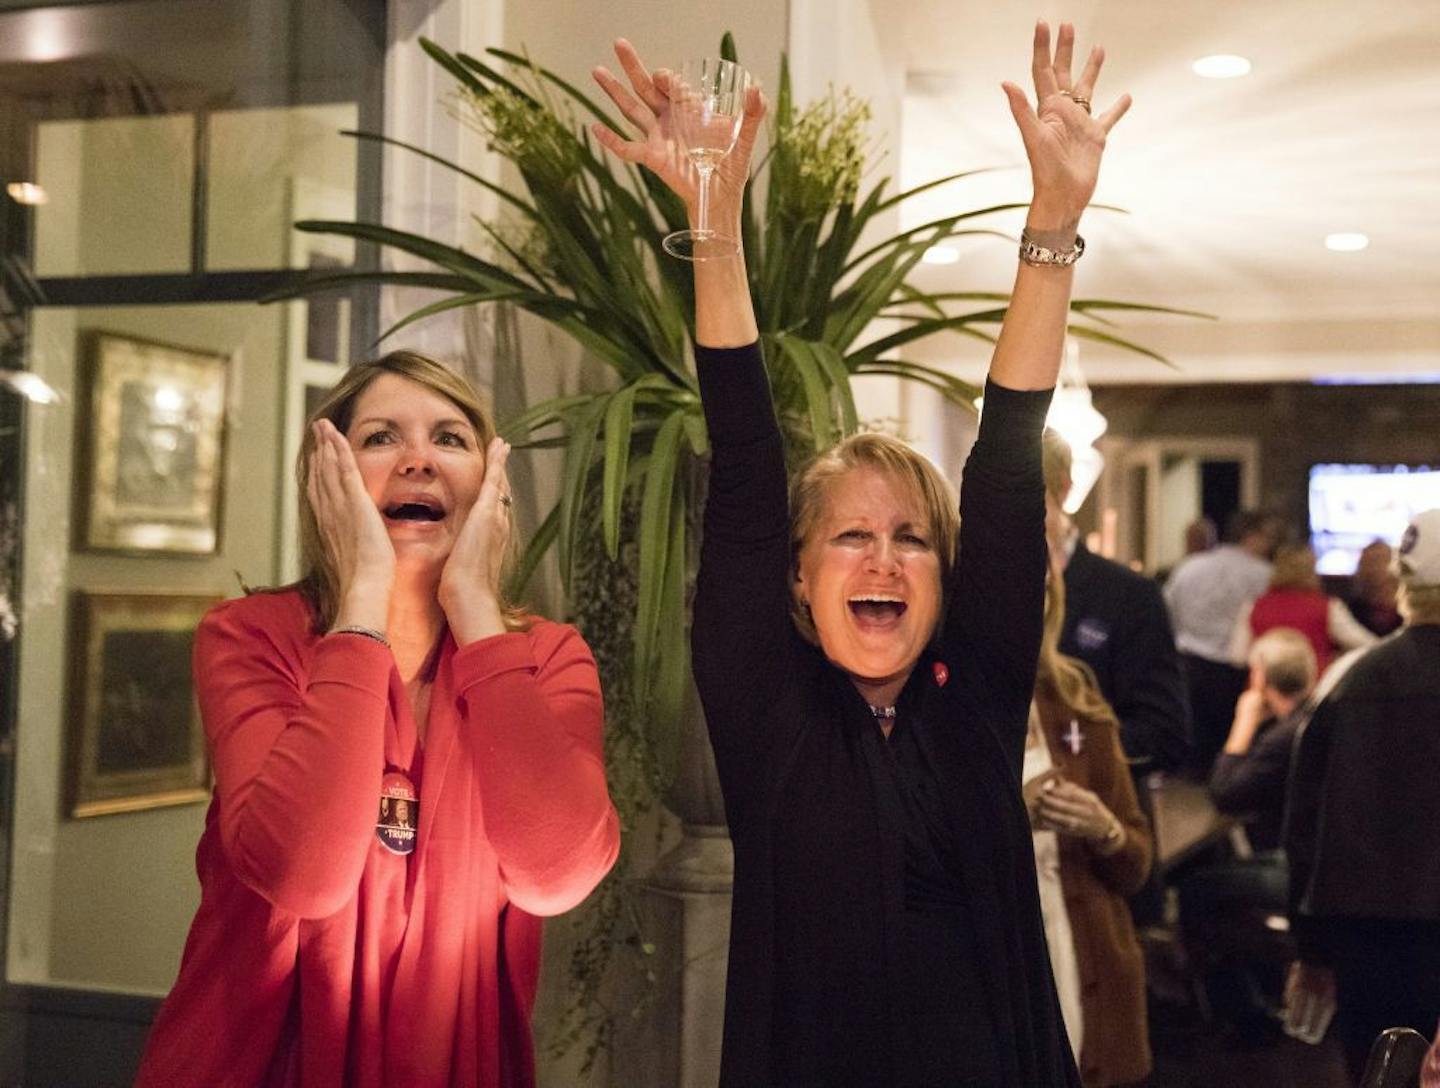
(1093, 847)
(1373, 588)
(1200, 536)
(1115, 621)
(1362, 830)
(1296, 601)
(1205, 595)
(1226, 908)
(1248, 780)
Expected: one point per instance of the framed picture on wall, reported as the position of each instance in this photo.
(154, 442)
(135, 735)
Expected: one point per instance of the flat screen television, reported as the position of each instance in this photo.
(1351, 505)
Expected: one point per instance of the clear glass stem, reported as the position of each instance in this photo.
(702, 226)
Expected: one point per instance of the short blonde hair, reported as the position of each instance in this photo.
(1057, 463)
(319, 580)
(1294, 568)
(1286, 660)
(1419, 604)
(810, 492)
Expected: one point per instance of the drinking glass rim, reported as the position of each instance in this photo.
(704, 63)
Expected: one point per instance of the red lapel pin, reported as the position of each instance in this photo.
(942, 674)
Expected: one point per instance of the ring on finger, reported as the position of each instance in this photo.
(1080, 100)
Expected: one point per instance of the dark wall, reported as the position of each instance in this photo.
(54, 1038)
(1297, 425)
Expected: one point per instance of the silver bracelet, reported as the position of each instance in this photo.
(1033, 253)
(364, 632)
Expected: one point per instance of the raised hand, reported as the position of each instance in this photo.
(470, 583)
(646, 105)
(351, 529)
(1063, 141)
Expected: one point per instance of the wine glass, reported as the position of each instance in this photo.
(707, 100)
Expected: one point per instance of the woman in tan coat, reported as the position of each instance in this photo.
(1094, 848)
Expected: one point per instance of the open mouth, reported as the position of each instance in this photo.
(415, 510)
(877, 610)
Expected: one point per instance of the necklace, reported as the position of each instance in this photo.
(882, 712)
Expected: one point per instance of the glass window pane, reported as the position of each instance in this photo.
(105, 901)
(271, 167)
(118, 195)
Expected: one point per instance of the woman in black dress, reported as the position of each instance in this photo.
(866, 689)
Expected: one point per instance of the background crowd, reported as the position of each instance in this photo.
(1306, 711)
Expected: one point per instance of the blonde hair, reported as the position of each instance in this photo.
(1069, 678)
(1057, 463)
(1419, 603)
(1294, 568)
(319, 581)
(810, 492)
(1286, 660)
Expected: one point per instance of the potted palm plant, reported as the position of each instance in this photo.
(579, 246)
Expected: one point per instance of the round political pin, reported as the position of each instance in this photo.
(399, 813)
(942, 673)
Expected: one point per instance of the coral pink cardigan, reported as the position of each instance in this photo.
(318, 957)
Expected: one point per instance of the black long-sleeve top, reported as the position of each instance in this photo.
(1362, 816)
(1252, 786)
(837, 834)
(1117, 623)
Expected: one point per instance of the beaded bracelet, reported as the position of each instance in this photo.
(365, 632)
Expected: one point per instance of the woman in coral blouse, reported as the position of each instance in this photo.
(408, 773)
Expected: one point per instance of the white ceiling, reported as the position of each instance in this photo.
(1230, 185)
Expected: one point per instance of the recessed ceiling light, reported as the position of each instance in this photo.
(1221, 66)
(26, 192)
(941, 255)
(1346, 242)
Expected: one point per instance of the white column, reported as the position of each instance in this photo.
(855, 44)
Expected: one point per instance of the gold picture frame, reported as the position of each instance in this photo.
(136, 738)
(154, 441)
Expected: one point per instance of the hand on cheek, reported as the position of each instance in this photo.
(470, 582)
(351, 530)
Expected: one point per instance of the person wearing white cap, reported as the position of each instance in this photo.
(1363, 827)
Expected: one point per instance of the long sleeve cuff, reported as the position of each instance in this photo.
(354, 661)
(489, 657)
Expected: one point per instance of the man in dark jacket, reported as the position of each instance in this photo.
(1225, 907)
(1117, 623)
(1248, 779)
(1363, 826)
